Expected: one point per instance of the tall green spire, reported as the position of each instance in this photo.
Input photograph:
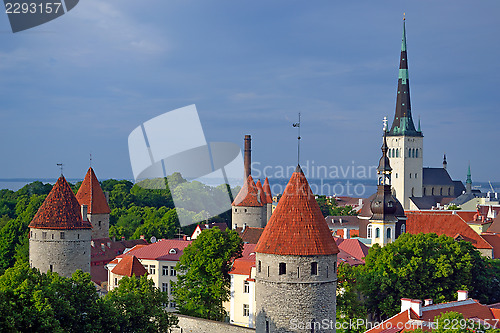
(403, 121)
(469, 177)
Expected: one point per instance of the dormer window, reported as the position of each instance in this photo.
(172, 251)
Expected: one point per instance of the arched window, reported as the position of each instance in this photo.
(369, 231)
(412, 191)
(397, 152)
(377, 233)
(389, 233)
(449, 190)
(416, 153)
(424, 191)
(441, 191)
(403, 228)
(432, 191)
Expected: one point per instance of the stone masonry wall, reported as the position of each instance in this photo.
(197, 325)
(252, 216)
(99, 231)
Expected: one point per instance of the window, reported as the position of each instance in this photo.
(396, 175)
(259, 267)
(449, 191)
(410, 175)
(403, 228)
(424, 191)
(152, 269)
(389, 233)
(327, 271)
(441, 191)
(246, 287)
(235, 210)
(44, 235)
(146, 267)
(52, 236)
(171, 287)
(164, 270)
(173, 304)
(416, 153)
(164, 287)
(267, 326)
(432, 191)
(377, 233)
(61, 234)
(116, 281)
(172, 271)
(412, 191)
(246, 310)
(267, 271)
(369, 231)
(397, 152)
(314, 268)
(282, 268)
(298, 272)
(78, 236)
(50, 268)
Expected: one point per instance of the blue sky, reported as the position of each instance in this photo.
(83, 82)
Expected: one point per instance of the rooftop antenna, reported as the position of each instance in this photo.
(60, 165)
(298, 140)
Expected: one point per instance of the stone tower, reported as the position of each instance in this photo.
(91, 195)
(405, 143)
(263, 199)
(247, 207)
(59, 236)
(296, 262)
(384, 226)
(269, 199)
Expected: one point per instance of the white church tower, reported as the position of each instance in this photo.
(404, 141)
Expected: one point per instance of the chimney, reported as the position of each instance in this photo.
(462, 295)
(184, 237)
(142, 237)
(103, 247)
(346, 233)
(248, 156)
(405, 304)
(428, 302)
(83, 210)
(244, 227)
(109, 244)
(416, 306)
(235, 226)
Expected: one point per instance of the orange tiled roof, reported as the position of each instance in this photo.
(443, 223)
(267, 191)
(244, 264)
(468, 308)
(297, 226)
(494, 241)
(249, 195)
(262, 194)
(128, 266)
(90, 193)
(60, 210)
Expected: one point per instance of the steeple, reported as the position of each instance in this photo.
(403, 121)
(445, 164)
(468, 182)
(384, 169)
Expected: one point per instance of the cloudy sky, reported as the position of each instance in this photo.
(81, 83)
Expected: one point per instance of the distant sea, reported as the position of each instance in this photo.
(361, 188)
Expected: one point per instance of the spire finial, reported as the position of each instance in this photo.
(385, 124)
(404, 16)
(90, 160)
(60, 165)
(298, 140)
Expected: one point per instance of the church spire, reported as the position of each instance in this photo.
(403, 121)
(468, 182)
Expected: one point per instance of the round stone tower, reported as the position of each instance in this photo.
(296, 262)
(90, 194)
(59, 237)
(269, 198)
(248, 206)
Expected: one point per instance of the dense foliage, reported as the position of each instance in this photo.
(35, 302)
(350, 308)
(203, 281)
(454, 322)
(330, 207)
(425, 266)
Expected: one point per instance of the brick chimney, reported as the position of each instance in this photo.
(248, 156)
(347, 234)
(462, 295)
(427, 301)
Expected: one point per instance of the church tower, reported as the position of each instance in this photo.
(247, 207)
(405, 142)
(90, 194)
(296, 265)
(60, 233)
(384, 226)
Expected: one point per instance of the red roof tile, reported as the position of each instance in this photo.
(267, 191)
(262, 194)
(128, 266)
(165, 249)
(244, 264)
(468, 308)
(353, 246)
(495, 226)
(60, 210)
(251, 235)
(494, 241)
(297, 226)
(249, 195)
(90, 193)
(444, 223)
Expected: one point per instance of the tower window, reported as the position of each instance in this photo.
(377, 233)
(397, 152)
(99, 223)
(61, 235)
(327, 271)
(389, 233)
(52, 236)
(51, 268)
(410, 175)
(416, 153)
(369, 231)
(78, 236)
(259, 266)
(267, 271)
(314, 268)
(282, 268)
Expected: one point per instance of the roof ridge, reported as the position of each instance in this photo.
(91, 194)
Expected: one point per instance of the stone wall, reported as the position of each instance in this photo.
(297, 299)
(197, 325)
(252, 216)
(64, 253)
(100, 225)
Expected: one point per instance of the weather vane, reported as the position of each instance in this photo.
(298, 140)
(404, 16)
(60, 165)
(90, 162)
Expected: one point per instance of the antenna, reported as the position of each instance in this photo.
(60, 165)
(298, 140)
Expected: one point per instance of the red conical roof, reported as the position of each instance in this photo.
(262, 194)
(91, 194)
(297, 226)
(60, 210)
(128, 266)
(267, 191)
(249, 195)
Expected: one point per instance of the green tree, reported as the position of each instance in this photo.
(330, 207)
(203, 281)
(349, 305)
(140, 306)
(454, 322)
(423, 266)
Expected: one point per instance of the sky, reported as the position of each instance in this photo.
(81, 83)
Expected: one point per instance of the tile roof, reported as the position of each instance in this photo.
(244, 264)
(60, 210)
(353, 246)
(90, 193)
(297, 226)
(469, 308)
(128, 266)
(495, 226)
(444, 223)
(262, 194)
(267, 191)
(339, 222)
(248, 195)
(494, 241)
(250, 235)
(165, 249)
